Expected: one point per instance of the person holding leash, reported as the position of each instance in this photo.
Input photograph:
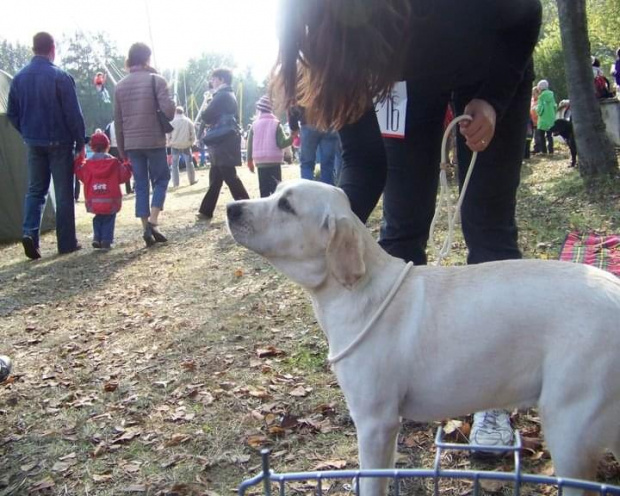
(336, 59)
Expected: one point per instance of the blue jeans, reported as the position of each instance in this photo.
(103, 227)
(149, 164)
(45, 162)
(327, 144)
(189, 165)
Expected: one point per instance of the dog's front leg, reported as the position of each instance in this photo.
(376, 440)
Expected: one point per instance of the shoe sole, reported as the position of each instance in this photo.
(30, 249)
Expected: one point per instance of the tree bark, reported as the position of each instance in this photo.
(595, 150)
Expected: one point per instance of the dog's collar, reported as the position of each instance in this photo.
(339, 356)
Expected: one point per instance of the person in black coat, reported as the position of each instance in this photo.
(337, 58)
(226, 155)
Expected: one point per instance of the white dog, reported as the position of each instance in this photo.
(450, 340)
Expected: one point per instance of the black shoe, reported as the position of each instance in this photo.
(106, 245)
(96, 244)
(157, 235)
(77, 247)
(147, 236)
(30, 248)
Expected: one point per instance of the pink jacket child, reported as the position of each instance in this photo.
(102, 175)
(265, 149)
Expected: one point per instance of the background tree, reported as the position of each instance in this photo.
(603, 28)
(83, 55)
(596, 152)
(195, 80)
(13, 56)
(248, 92)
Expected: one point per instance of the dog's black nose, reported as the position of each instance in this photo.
(234, 210)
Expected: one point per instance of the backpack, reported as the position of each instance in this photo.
(601, 87)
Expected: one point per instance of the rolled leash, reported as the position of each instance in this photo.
(444, 195)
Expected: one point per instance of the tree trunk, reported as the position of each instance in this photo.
(595, 150)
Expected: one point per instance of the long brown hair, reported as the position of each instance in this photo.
(336, 56)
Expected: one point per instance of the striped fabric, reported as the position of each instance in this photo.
(602, 251)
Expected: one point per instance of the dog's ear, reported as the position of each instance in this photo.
(345, 251)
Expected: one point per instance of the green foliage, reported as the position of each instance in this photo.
(195, 79)
(83, 57)
(248, 92)
(549, 60)
(603, 29)
(13, 57)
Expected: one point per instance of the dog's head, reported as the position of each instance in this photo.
(306, 229)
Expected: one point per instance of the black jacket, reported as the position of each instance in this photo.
(228, 153)
(489, 43)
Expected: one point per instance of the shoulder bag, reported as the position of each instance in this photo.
(225, 127)
(164, 122)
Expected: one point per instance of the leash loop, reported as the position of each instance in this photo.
(444, 195)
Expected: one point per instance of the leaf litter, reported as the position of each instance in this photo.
(165, 371)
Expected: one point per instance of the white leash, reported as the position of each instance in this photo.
(444, 195)
(339, 356)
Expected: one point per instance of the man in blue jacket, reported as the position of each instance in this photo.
(44, 108)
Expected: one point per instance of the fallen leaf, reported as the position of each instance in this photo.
(63, 466)
(299, 392)
(188, 365)
(269, 351)
(240, 458)
(492, 486)
(451, 426)
(29, 466)
(99, 450)
(331, 465)
(110, 386)
(238, 273)
(177, 439)
(277, 431)
(102, 477)
(134, 488)
(41, 485)
(257, 441)
(128, 435)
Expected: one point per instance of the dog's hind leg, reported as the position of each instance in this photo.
(575, 439)
(376, 439)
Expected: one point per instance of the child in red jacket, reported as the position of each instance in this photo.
(102, 175)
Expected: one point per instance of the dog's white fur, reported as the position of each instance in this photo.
(454, 340)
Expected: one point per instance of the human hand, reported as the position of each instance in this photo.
(80, 157)
(478, 132)
(250, 165)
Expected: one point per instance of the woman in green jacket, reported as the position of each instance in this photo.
(546, 117)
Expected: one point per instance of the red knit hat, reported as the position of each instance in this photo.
(99, 141)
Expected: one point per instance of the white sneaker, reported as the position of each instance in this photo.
(491, 428)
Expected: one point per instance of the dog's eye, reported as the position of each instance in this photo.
(284, 204)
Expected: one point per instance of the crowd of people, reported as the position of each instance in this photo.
(44, 108)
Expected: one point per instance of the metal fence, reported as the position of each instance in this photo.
(271, 480)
